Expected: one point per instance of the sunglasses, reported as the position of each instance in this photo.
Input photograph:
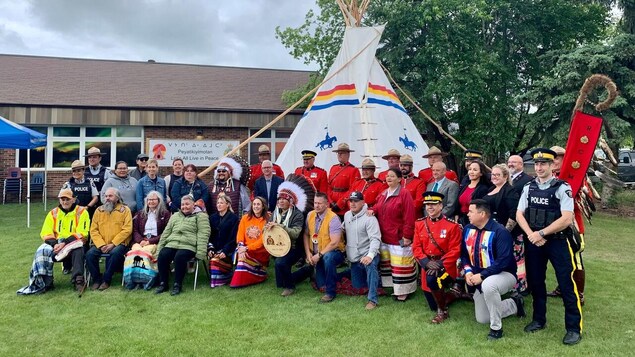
(221, 171)
(143, 159)
(77, 170)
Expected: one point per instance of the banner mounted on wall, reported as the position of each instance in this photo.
(198, 152)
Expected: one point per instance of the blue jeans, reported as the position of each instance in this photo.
(114, 263)
(326, 271)
(366, 276)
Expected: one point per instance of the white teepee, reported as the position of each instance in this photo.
(357, 106)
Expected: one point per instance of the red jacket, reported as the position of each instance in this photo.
(256, 172)
(396, 216)
(447, 234)
(370, 189)
(316, 175)
(341, 178)
(417, 188)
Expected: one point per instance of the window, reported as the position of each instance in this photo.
(274, 138)
(67, 144)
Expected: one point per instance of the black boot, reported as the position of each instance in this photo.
(161, 288)
(176, 289)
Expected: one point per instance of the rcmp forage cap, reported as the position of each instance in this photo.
(431, 197)
(356, 196)
(308, 154)
(473, 154)
(543, 155)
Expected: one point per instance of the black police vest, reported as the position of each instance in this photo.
(98, 179)
(543, 207)
(83, 191)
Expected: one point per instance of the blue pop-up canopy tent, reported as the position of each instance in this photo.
(15, 136)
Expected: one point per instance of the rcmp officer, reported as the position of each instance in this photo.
(545, 212)
(437, 247)
(435, 155)
(316, 175)
(412, 184)
(368, 185)
(83, 189)
(392, 157)
(264, 153)
(341, 177)
(96, 172)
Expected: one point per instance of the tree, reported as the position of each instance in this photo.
(466, 62)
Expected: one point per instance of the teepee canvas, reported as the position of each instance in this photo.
(358, 106)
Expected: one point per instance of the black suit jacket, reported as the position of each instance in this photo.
(260, 189)
(520, 181)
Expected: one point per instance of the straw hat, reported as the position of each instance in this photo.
(343, 147)
(391, 153)
(434, 151)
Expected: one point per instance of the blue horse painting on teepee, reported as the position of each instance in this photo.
(328, 141)
(407, 144)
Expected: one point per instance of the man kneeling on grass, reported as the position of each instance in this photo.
(64, 231)
(363, 238)
(110, 231)
(490, 269)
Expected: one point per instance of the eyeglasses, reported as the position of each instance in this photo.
(64, 199)
(143, 159)
(267, 167)
(496, 175)
(78, 170)
(153, 199)
(221, 171)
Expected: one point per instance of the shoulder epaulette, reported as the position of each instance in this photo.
(450, 220)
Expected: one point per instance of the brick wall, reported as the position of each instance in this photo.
(57, 178)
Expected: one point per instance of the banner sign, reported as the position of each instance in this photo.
(201, 153)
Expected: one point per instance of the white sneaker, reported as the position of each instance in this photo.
(78, 243)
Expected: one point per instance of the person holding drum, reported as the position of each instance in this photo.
(289, 216)
(251, 256)
(222, 241)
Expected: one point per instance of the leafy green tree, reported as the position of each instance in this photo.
(471, 62)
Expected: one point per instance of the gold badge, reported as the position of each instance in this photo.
(575, 165)
(584, 140)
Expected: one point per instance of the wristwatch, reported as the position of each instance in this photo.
(542, 234)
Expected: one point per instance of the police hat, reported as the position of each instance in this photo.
(473, 154)
(431, 197)
(543, 155)
(308, 154)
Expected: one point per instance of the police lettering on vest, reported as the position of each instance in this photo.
(543, 206)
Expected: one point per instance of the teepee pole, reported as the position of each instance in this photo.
(293, 106)
(421, 110)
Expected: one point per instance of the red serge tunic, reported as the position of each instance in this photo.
(447, 234)
(316, 175)
(396, 216)
(369, 188)
(341, 178)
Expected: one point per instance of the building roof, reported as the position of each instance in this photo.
(50, 81)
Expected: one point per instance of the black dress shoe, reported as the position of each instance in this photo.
(161, 289)
(176, 289)
(534, 326)
(571, 338)
(520, 305)
(494, 335)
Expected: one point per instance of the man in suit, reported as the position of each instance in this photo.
(519, 177)
(445, 186)
(267, 185)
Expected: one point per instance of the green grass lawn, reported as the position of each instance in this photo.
(258, 321)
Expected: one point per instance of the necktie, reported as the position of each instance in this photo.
(435, 187)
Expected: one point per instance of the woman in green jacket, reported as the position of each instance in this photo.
(184, 238)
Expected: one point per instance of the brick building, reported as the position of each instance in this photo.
(119, 106)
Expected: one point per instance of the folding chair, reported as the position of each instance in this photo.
(37, 184)
(197, 262)
(14, 186)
